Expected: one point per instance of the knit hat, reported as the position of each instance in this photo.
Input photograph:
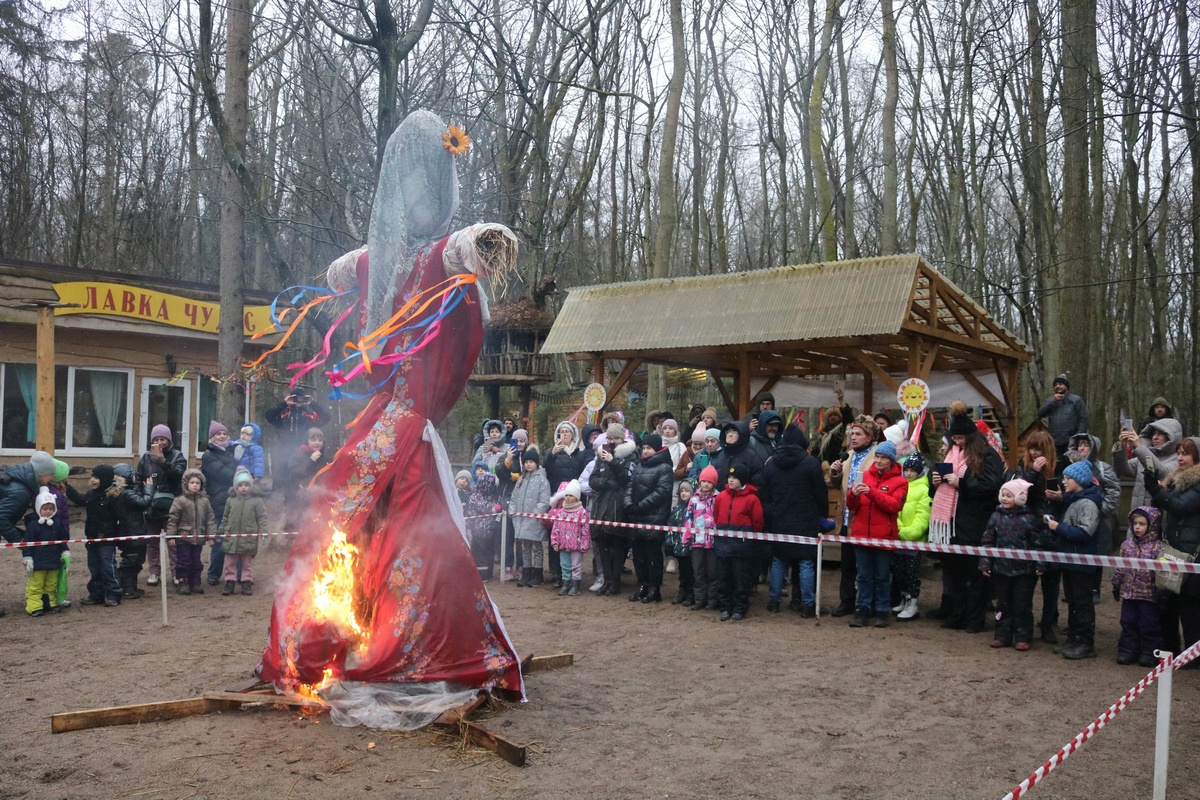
(481, 465)
(462, 473)
(961, 425)
(698, 434)
(574, 489)
(163, 431)
(687, 483)
(215, 427)
(42, 463)
(671, 423)
(1080, 472)
(45, 497)
(1018, 488)
(103, 473)
(866, 423)
(914, 462)
(886, 449)
(242, 476)
(531, 455)
(654, 441)
(521, 435)
(709, 474)
(713, 433)
(740, 472)
(896, 433)
(61, 471)
(711, 411)
(1063, 380)
(615, 430)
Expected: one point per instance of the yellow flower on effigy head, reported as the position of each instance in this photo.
(456, 141)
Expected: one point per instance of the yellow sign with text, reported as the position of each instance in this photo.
(115, 299)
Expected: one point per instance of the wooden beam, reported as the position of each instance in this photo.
(995, 402)
(266, 698)
(878, 371)
(631, 366)
(44, 427)
(539, 663)
(598, 368)
(770, 384)
(729, 404)
(743, 384)
(138, 713)
(927, 362)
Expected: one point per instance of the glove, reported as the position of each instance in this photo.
(65, 558)
(28, 565)
(1116, 593)
(1150, 481)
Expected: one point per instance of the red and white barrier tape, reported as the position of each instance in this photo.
(1077, 559)
(145, 537)
(1087, 733)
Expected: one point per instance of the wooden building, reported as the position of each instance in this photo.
(129, 352)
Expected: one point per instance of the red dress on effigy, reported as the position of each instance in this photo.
(419, 598)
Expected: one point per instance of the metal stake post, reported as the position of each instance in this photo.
(164, 567)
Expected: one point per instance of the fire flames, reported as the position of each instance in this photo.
(331, 599)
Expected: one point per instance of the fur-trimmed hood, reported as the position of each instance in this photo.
(1183, 479)
(117, 487)
(1095, 440)
(625, 449)
(190, 473)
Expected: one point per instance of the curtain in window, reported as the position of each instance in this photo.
(108, 394)
(27, 380)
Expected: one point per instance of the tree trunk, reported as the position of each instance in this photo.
(890, 223)
(816, 99)
(1187, 92)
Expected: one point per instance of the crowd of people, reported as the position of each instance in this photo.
(219, 504)
(863, 477)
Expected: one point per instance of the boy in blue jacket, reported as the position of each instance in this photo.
(1075, 532)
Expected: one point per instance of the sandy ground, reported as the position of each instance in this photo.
(661, 702)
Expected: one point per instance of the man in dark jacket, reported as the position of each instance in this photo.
(795, 500)
(18, 486)
(1066, 414)
(736, 450)
(765, 436)
(648, 501)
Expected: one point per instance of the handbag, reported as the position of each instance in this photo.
(160, 504)
(1172, 581)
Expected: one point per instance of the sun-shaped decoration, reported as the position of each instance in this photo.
(456, 141)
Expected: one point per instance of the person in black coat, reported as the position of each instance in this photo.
(648, 501)
(795, 500)
(736, 450)
(165, 463)
(609, 480)
(218, 465)
(978, 489)
(131, 506)
(1178, 497)
(102, 522)
(563, 463)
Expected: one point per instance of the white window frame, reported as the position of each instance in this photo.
(69, 450)
(182, 436)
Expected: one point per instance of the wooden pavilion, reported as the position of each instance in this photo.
(884, 318)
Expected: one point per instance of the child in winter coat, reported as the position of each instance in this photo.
(63, 517)
(1013, 525)
(570, 535)
(737, 508)
(530, 495)
(1141, 616)
(245, 512)
(42, 561)
(132, 503)
(680, 551)
(697, 537)
(462, 482)
(102, 523)
(484, 527)
(309, 459)
(875, 502)
(1075, 532)
(913, 526)
(193, 521)
(250, 453)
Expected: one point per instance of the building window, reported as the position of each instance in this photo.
(208, 412)
(92, 411)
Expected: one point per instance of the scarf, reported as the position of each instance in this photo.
(214, 444)
(570, 504)
(945, 500)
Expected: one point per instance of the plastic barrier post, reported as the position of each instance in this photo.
(1162, 729)
(164, 566)
(820, 542)
(503, 545)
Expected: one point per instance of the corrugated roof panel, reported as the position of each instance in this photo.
(845, 298)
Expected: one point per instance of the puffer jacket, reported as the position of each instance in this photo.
(763, 444)
(218, 466)
(46, 556)
(913, 523)
(876, 512)
(191, 516)
(251, 455)
(1110, 484)
(976, 499)
(570, 532)
(18, 487)
(699, 520)
(1065, 417)
(737, 510)
(132, 503)
(531, 495)
(793, 493)
(1017, 528)
(1076, 532)
(1138, 584)
(1179, 500)
(648, 494)
(166, 470)
(243, 514)
(740, 452)
(565, 466)
(1163, 458)
(102, 520)
(608, 482)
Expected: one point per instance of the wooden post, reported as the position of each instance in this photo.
(492, 393)
(743, 384)
(868, 394)
(44, 435)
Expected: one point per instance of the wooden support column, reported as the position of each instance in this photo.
(44, 436)
(743, 384)
(597, 368)
(868, 394)
(492, 393)
(729, 402)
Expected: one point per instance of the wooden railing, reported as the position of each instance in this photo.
(514, 363)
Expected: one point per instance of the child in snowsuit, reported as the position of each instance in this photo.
(42, 561)
(682, 552)
(102, 523)
(462, 482)
(914, 527)
(1141, 617)
(570, 535)
(245, 512)
(191, 519)
(737, 508)
(530, 495)
(483, 529)
(250, 453)
(697, 538)
(1013, 525)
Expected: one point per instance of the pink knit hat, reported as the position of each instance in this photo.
(709, 474)
(698, 434)
(1018, 488)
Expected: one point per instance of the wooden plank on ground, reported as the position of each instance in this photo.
(454, 715)
(537, 663)
(139, 713)
(267, 698)
(481, 736)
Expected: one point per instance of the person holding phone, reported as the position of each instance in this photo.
(1155, 445)
(165, 464)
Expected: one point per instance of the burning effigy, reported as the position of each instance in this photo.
(379, 612)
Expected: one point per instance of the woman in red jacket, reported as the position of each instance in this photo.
(736, 508)
(875, 503)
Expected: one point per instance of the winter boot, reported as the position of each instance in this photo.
(641, 592)
(909, 610)
(680, 596)
(573, 591)
(524, 579)
(653, 595)
(247, 588)
(228, 590)
(536, 577)
(183, 588)
(197, 588)
(861, 617)
(556, 581)
(944, 610)
(564, 587)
